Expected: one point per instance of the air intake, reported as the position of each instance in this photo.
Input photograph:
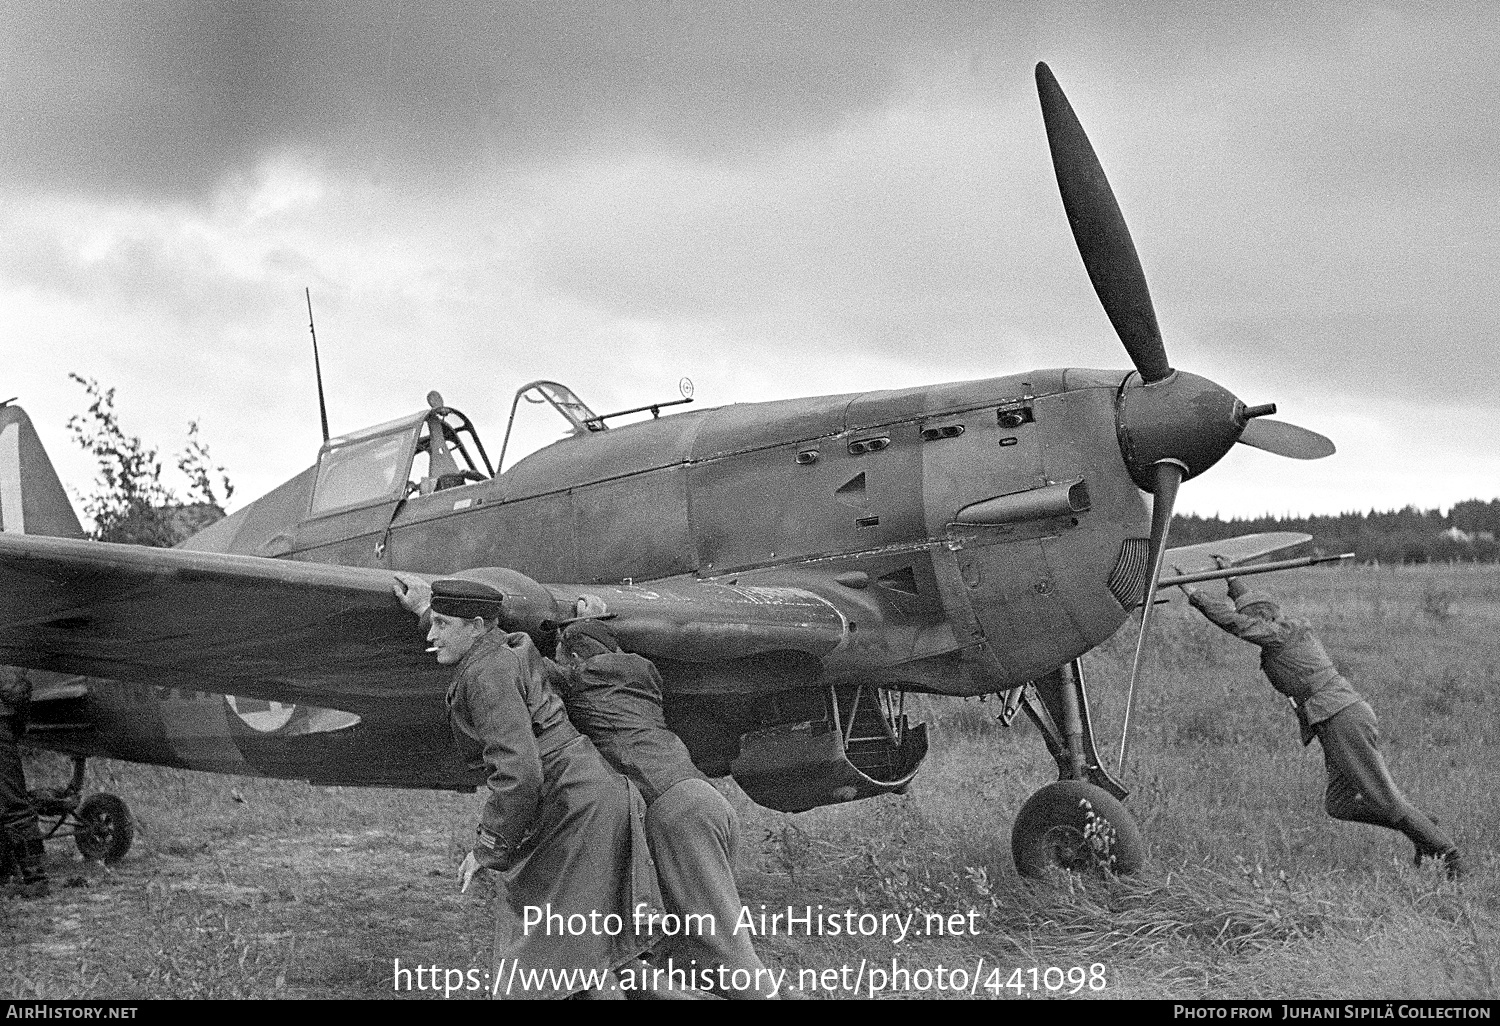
(1127, 581)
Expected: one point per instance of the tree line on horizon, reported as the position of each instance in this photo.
(1468, 532)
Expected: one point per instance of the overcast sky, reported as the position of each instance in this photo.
(774, 199)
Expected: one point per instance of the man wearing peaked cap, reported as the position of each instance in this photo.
(466, 599)
(1360, 788)
(557, 823)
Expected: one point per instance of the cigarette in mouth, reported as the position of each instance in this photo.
(433, 649)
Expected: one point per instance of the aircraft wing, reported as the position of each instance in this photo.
(1237, 551)
(327, 635)
(264, 628)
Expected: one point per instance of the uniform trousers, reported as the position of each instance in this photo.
(693, 833)
(18, 821)
(583, 858)
(1360, 788)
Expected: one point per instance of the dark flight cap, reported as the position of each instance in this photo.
(465, 599)
(1255, 598)
(1243, 597)
(595, 630)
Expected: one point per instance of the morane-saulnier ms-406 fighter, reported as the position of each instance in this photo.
(794, 568)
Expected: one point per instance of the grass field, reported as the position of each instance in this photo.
(250, 888)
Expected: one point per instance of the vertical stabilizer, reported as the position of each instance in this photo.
(32, 499)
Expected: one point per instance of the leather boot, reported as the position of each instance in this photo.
(1453, 864)
(33, 859)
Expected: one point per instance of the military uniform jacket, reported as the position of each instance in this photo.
(615, 698)
(505, 717)
(1292, 658)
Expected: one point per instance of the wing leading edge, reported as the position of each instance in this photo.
(264, 628)
(320, 634)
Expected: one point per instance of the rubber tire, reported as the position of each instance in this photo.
(108, 829)
(1053, 831)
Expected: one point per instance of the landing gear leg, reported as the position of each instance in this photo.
(1076, 824)
(100, 825)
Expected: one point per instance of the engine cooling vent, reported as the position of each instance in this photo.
(1127, 581)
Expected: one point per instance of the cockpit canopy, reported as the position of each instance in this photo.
(422, 453)
(430, 451)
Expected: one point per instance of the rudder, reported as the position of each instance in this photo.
(32, 499)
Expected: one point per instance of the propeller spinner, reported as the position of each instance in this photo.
(1171, 425)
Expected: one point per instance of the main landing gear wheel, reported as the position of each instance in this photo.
(105, 830)
(1075, 826)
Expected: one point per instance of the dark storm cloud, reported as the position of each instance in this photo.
(163, 99)
(1339, 157)
(1303, 185)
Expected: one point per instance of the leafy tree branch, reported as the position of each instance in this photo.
(130, 502)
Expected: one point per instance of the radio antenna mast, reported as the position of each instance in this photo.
(317, 367)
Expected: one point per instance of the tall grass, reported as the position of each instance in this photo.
(1251, 890)
(242, 887)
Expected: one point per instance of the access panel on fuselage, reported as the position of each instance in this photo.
(533, 536)
(984, 460)
(1010, 587)
(1080, 442)
(856, 490)
(633, 527)
(347, 538)
(627, 527)
(840, 493)
(738, 504)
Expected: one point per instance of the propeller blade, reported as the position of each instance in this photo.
(1168, 476)
(1100, 232)
(1286, 439)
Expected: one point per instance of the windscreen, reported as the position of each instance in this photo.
(361, 472)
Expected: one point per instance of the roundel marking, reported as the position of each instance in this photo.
(259, 715)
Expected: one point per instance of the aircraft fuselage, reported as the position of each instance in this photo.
(974, 527)
(968, 538)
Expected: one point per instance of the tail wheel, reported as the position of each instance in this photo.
(107, 829)
(1075, 826)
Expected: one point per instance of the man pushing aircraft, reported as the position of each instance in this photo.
(1360, 788)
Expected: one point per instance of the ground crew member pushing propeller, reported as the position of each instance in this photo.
(1360, 788)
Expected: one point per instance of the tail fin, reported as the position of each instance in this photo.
(32, 499)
